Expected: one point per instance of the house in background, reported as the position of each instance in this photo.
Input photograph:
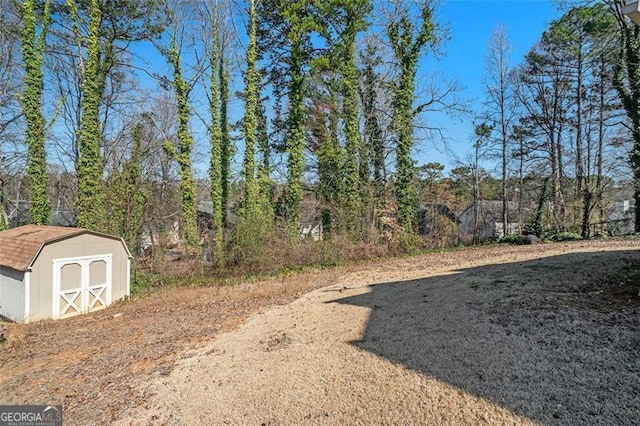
(430, 217)
(621, 219)
(19, 216)
(489, 225)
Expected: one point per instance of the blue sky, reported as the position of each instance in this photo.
(471, 25)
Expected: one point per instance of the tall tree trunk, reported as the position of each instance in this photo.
(251, 103)
(601, 135)
(504, 195)
(226, 148)
(91, 188)
(627, 83)
(407, 41)
(33, 45)
(352, 184)
(183, 154)
(372, 131)
(4, 217)
(295, 139)
(215, 166)
(579, 154)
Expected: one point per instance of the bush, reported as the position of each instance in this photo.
(564, 236)
(515, 239)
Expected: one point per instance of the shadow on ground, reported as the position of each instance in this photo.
(552, 339)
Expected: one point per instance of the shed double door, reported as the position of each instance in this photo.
(81, 285)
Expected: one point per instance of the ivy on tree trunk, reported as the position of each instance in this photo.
(251, 103)
(182, 155)
(91, 187)
(407, 42)
(295, 139)
(32, 54)
(627, 83)
(226, 147)
(215, 168)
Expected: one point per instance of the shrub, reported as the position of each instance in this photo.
(564, 236)
(515, 239)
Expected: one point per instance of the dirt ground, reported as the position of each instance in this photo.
(546, 333)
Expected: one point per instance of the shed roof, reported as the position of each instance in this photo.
(20, 246)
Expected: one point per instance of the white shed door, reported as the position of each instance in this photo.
(81, 285)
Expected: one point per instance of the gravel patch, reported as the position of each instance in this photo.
(502, 335)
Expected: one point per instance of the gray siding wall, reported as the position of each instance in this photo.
(12, 293)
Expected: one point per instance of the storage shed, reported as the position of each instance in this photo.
(51, 272)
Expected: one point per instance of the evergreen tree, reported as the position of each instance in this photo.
(285, 29)
(323, 119)
(579, 39)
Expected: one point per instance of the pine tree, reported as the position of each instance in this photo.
(285, 29)
(263, 168)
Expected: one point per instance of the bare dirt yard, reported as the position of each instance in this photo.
(547, 334)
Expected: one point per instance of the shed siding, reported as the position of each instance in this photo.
(12, 294)
(74, 247)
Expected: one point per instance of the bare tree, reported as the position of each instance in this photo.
(9, 73)
(500, 103)
(10, 112)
